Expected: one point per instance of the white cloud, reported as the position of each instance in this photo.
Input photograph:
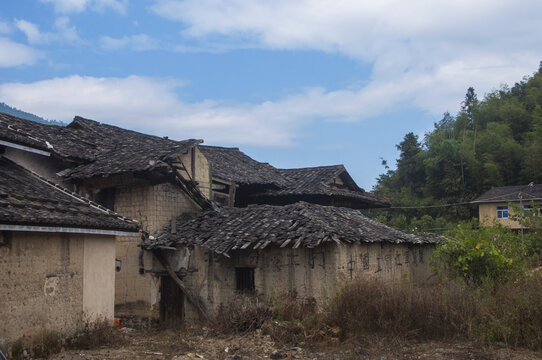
(77, 6)
(152, 105)
(15, 54)
(141, 42)
(32, 32)
(423, 54)
(64, 31)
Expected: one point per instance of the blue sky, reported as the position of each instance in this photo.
(293, 83)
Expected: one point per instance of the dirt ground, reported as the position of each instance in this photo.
(198, 344)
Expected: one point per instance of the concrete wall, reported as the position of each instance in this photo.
(50, 279)
(488, 214)
(315, 273)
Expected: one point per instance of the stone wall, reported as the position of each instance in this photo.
(48, 282)
(314, 273)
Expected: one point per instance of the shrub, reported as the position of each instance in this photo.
(403, 310)
(240, 314)
(492, 254)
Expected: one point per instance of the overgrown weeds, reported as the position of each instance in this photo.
(46, 343)
(241, 314)
(509, 313)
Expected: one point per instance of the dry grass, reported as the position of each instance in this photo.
(47, 343)
(241, 314)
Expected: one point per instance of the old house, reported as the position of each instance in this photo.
(497, 204)
(57, 252)
(304, 247)
(147, 178)
(281, 229)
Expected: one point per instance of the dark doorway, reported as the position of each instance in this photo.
(171, 303)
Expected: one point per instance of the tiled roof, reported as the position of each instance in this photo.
(300, 224)
(314, 184)
(11, 133)
(118, 150)
(100, 149)
(319, 181)
(64, 142)
(26, 199)
(233, 165)
(511, 193)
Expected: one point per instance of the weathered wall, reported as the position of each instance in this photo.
(99, 277)
(198, 169)
(310, 272)
(44, 278)
(136, 290)
(45, 166)
(488, 215)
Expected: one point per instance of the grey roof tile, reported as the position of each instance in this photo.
(26, 199)
(300, 224)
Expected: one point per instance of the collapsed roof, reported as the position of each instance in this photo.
(101, 150)
(295, 225)
(326, 185)
(27, 201)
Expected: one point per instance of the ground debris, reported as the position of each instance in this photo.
(190, 344)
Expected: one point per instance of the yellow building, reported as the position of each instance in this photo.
(501, 204)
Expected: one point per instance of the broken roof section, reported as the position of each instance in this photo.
(326, 185)
(101, 150)
(31, 203)
(233, 165)
(295, 225)
(118, 150)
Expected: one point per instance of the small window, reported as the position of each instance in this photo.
(502, 212)
(244, 278)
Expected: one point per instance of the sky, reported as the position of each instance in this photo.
(293, 83)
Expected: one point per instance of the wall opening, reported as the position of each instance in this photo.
(171, 303)
(244, 279)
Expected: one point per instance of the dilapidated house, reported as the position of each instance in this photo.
(281, 229)
(57, 252)
(147, 178)
(292, 229)
(302, 247)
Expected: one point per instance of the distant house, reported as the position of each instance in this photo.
(495, 204)
(57, 254)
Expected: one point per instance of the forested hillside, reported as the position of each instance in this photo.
(496, 141)
(26, 115)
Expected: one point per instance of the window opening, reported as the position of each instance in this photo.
(502, 212)
(244, 278)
